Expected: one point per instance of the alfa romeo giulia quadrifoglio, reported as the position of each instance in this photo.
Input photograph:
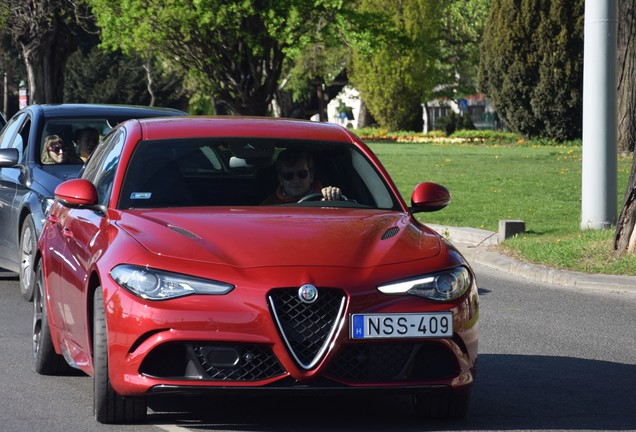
(211, 254)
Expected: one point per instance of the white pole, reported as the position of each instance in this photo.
(599, 172)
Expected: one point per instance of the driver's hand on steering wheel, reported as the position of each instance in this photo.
(331, 193)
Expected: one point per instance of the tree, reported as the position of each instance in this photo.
(462, 26)
(394, 76)
(625, 236)
(531, 65)
(11, 69)
(313, 77)
(100, 76)
(626, 76)
(44, 31)
(233, 50)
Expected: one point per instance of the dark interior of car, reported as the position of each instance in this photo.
(199, 174)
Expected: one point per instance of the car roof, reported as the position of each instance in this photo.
(228, 126)
(90, 110)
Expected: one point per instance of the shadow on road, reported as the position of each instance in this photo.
(512, 392)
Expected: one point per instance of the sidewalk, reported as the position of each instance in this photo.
(476, 245)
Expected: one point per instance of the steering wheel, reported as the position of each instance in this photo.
(317, 196)
(314, 196)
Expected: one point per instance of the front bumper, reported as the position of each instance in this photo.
(209, 343)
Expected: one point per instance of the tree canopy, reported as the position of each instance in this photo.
(532, 65)
(394, 77)
(98, 76)
(234, 50)
(431, 50)
(45, 31)
(457, 61)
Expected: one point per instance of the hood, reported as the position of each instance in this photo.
(277, 236)
(49, 176)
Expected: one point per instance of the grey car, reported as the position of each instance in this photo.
(27, 184)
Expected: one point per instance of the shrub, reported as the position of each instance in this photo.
(531, 66)
(452, 122)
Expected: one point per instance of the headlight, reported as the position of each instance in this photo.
(154, 284)
(445, 285)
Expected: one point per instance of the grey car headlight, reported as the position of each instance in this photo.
(155, 284)
(442, 286)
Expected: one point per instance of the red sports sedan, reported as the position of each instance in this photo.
(201, 254)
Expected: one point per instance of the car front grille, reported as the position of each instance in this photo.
(391, 362)
(307, 328)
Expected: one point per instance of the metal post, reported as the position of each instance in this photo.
(599, 172)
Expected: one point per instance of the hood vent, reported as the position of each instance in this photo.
(184, 232)
(391, 232)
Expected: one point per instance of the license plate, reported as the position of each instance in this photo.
(380, 326)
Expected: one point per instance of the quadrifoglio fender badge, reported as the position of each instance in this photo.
(308, 293)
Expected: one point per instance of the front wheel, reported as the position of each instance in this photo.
(28, 247)
(47, 361)
(108, 406)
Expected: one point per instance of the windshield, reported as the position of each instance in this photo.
(244, 172)
(71, 141)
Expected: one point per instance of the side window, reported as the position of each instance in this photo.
(22, 139)
(10, 130)
(102, 166)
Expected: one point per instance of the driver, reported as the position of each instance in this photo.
(296, 179)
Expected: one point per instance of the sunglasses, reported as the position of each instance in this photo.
(288, 175)
(57, 149)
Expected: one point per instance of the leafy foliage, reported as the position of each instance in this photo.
(430, 51)
(452, 122)
(234, 50)
(394, 76)
(111, 77)
(45, 31)
(462, 25)
(532, 65)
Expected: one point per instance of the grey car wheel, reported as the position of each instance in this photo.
(28, 247)
(47, 361)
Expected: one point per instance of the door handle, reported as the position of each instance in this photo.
(67, 233)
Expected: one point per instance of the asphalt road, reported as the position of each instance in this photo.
(551, 358)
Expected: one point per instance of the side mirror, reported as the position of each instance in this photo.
(429, 197)
(76, 193)
(9, 157)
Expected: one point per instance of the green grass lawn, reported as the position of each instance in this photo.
(540, 185)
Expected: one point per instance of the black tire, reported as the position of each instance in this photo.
(47, 361)
(108, 406)
(441, 405)
(28, 247)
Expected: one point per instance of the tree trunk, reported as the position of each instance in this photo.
(365, 119)
(626, 76)
(625, 236)
(150, 81)
(45, 62)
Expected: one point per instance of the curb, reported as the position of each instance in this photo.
(476, 246)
